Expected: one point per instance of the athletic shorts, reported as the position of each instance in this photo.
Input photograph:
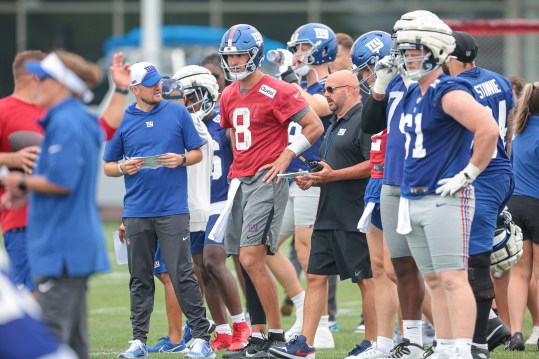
(491, 196)
(525, 213)
(197, 247)
(300, 209)
(256, 214)
(440, 235)
(340, 252)
(389, 210)
(207, 241)
(197, 242)
(19, 270)
(372, 194)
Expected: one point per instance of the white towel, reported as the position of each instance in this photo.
(217, 234)
(404, 225)
(364, 223)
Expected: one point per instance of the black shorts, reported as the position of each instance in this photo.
(340, 252)
(525, 213)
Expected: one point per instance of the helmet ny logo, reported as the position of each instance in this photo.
(257, 37)
(375, 45)
(321, 33)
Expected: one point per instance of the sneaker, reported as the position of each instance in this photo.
(252, 347)
(361, 326)
(164, 345)
(430, 350)
(334, 325)
(200, 349)
(534, 336)
(406, 350)
(429, 333)
(498, 333)
(516, 342)
(287, 307)
(323, 339)
(240, 336)
(478, 353)
(188, 337)
(360, 348)
(137, 349)
(273, 341)
(221, 341)
(371, 353)
(294, 331)
(297, 348)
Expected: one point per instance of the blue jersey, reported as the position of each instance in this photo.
(525, 157)
(65, 235)
(294, 130)
(494, 92)
(436, 145)
(222, 159)
(394, 160)
(168, 127)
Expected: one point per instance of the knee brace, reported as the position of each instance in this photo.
(479, 276)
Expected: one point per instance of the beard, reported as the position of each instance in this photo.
(150, 101)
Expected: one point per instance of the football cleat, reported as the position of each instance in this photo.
(497, 333)
(516, 342)
(297, 348)
(164, 345)
(137, 349)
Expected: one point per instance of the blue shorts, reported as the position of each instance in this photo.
(491, 196)
(197, 247)
(207, 241)
(197, 242)
(19, 270)
(372, 194)
(159, 265)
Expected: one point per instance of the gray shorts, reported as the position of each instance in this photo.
(389, 209)
(257, 214)
(440, 235)
(300, 209)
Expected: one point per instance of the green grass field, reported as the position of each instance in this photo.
(110, 328)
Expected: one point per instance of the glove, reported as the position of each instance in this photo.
(450, 186)
(289, 76)
(385, 71)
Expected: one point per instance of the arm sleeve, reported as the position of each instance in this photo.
(373, 118)
(107, 130)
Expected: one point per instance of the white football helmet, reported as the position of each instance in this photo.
(427, 34)
(199, 81)
(507, 248)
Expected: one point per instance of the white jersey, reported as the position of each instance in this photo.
(199, 182)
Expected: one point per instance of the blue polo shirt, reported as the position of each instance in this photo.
(525, 157)
(167, 128)
(64, 231)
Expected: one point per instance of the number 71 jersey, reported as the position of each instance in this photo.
(259, 118)
(437, 146)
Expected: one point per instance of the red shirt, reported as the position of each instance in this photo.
(260, 118)
(378, 153)
(16, 115)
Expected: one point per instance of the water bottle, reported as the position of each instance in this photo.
(274, 56)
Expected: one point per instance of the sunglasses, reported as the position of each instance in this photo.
(331, 89)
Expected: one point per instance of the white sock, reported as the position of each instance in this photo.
(535, 329)
(463, 345)
(238, 318)
(257, 335)
(481, 346)
(491, 314)
(223, 329)
(445, 345)
(413, 331)
(299, 300)
(324, 321)
(384, 344)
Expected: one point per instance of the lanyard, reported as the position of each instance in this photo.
(329, 139)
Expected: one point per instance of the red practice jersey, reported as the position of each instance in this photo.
(260, 120)
(15, 116)
(378, 153)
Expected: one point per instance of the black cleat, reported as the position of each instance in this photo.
(497, 333)
(516, 342)
(254, 345)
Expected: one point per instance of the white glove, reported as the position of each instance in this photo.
(385, 71)
(450, 186)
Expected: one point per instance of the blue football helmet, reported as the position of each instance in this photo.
(367, 50)
(320, 37)
(241, 39)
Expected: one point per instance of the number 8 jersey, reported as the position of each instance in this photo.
(437, 146)
(260, 118)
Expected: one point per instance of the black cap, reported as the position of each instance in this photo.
(466, 47)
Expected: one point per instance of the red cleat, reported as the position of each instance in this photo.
(221, 341)
(241, 335)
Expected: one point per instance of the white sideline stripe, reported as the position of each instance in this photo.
(103, 353)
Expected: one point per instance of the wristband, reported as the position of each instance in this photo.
(183, 159)
(22, 184)
(122, 91)
(299, 145)
(471, 172)
(120, 169)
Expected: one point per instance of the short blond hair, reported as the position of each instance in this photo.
(22, 57)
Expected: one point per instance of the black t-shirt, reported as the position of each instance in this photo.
(344, 145)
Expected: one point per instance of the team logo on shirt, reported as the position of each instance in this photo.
(268, 91)
(341, 132)
(149, 123)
